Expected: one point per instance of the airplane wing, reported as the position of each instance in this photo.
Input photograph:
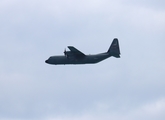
(76, 52)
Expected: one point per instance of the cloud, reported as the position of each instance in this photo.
(150, 111)
(125, 88)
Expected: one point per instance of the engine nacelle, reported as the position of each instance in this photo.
(68, 53)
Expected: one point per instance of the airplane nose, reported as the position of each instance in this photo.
(46, 61)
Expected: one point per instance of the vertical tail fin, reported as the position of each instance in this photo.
(114, 49)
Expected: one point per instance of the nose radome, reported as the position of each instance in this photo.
(46, 61)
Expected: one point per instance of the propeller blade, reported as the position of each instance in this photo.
(65, 51)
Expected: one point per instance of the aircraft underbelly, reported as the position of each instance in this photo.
(57, 60)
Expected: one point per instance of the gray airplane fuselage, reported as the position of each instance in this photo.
(75, 56)
(88, 59)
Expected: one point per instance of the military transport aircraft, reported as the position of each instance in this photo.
(74, 56)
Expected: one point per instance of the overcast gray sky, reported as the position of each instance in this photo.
(129, 88)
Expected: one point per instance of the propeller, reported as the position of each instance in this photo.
(65, 52)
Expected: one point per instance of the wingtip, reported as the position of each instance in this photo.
(70, 46)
